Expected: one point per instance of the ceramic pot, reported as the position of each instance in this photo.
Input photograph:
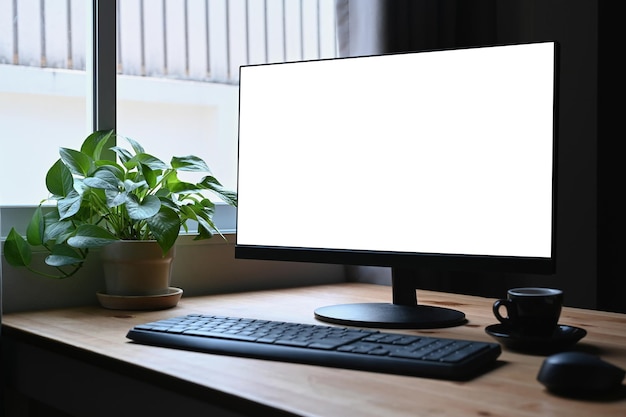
(136, 268)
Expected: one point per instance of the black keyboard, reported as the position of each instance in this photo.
(339, 347)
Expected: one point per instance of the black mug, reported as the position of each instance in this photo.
(530, 311)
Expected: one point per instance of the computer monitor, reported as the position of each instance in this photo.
(436, 160)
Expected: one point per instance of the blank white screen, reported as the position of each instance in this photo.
(437, 152)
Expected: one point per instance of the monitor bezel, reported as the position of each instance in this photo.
(401, 262)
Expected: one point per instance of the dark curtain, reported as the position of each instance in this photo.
(382, 26)
(590, 225)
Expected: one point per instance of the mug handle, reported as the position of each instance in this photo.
(496, 310)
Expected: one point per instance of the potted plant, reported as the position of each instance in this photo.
(137, 201)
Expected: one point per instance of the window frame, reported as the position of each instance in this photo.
(101, 65)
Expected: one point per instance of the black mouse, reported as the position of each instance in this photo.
(579, 373)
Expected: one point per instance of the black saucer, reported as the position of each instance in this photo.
(562, 337)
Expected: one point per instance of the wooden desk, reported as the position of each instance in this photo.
(80, 361)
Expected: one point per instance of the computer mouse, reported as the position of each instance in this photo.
(579, 373)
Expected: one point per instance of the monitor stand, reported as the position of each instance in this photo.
(403, 313)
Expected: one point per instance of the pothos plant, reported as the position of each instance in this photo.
(99, 201)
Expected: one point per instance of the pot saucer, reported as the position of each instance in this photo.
(561, 338)
(141, 302)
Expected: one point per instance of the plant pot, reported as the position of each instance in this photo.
(137, 276)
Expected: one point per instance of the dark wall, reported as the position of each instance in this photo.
(589, 223)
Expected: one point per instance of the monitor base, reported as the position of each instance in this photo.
(390, 316)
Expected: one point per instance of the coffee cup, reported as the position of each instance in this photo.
(530, 312)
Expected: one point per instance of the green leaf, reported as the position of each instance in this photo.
(103, 179)
(189, 163)
(112, 167)
(208, 205)
(79, 186)
(211, 183)
(165, 227)
(16, 250)
(63, 255)
(140, 210)
(57, 230)
(69, 205)
(131, 186)
(95, 142)
(90, 236)
(203, 215)
(203, 233)
(150, 161)
(122, 153)
(188, 211)
(166, 202)
(59, 180)
(115, 198)
(151, 176)
(204, 207)
(206, 227)
(181, 187)
(135, 145)
(36, 228)
(77, 162)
